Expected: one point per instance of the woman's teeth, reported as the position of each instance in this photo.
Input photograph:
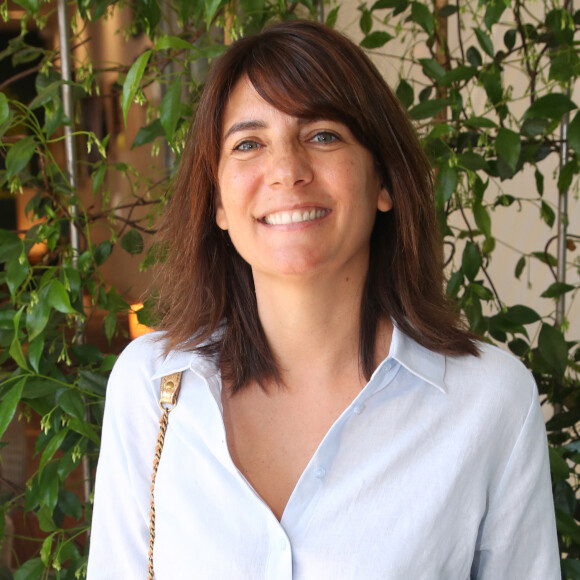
(294, 217)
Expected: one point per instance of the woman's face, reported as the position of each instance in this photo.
(297, 196)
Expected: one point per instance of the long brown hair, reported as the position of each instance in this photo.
(306, 70)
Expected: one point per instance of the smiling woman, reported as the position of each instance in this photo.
(336, 420)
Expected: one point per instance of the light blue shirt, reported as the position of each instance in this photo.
(438, 470)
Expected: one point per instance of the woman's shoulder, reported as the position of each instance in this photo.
(495, 373)
(144, 354)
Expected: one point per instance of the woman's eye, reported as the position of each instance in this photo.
(325, 137)
(246, 146)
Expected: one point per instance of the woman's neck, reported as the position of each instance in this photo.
(313, 328)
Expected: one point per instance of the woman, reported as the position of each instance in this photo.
(335, 418)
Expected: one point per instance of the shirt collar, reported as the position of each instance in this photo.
(181, 360)
(422, 362)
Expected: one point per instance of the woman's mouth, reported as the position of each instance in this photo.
(295, 216)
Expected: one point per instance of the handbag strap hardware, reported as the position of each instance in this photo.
(170, 387)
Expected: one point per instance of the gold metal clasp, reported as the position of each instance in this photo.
(170, 386)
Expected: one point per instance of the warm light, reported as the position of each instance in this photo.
(37, 252)
(135, 327)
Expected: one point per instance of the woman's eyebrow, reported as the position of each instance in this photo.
(244, 126)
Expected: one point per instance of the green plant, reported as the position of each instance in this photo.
(477, 150)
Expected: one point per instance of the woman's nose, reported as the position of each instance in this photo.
(289, 166)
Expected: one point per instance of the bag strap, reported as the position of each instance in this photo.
(170, 386)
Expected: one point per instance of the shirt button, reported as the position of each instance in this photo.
(358, 408)
(388, 366)
(319, 472)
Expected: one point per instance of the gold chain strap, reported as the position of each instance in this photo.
(170, 386)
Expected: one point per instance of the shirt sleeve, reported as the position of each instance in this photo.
(120, 524)
(517, 538)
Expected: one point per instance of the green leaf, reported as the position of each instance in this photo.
(551, 106)
(85, 429)
(421, 14)
(98, 176)
(148, 134)
(17, 272)
(70, 504)
(519, 314)
(472, 161)
(509, 38)
(405, 93)
(520, 267)
(474, 57)
(571, 568)
(454, 284)
(553, 348)
(567, 174)
(52, 447)
(332, 17)
(519, 347)
(563, 66)
(165, 42)
(539, 177)
(45, 520)
(446, 11)
(398, 5)
(38, 314)
(93, 382)
(447, 179)
(546, 258)
(46, 95)
(19, 155)
(133, 81)
(567, 525)
(427, 109)
(46, 549)
(459, 73)
(110, 325)
(574, 133)
(102, 252)
(72, 403)
(10, 246)
(35, 349)
(132, 242)
(4, 109)
(170, 110)
(484, 41)
(376, 39)
(432, 69)
(470, 261)
(556, 290)
(558, 466)
(30, 570)
(9, 404)
(482, 219)
(534, 127)
(508, 146)
(211, 7)
(15, 347)
(493, 13)
(58, 298)
(366, 21)
(547, 213)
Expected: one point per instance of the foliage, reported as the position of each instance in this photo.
(478, 146)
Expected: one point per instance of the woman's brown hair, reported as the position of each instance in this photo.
(306, 70)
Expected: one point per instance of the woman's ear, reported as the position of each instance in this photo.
(220, 213)
(384, 202)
